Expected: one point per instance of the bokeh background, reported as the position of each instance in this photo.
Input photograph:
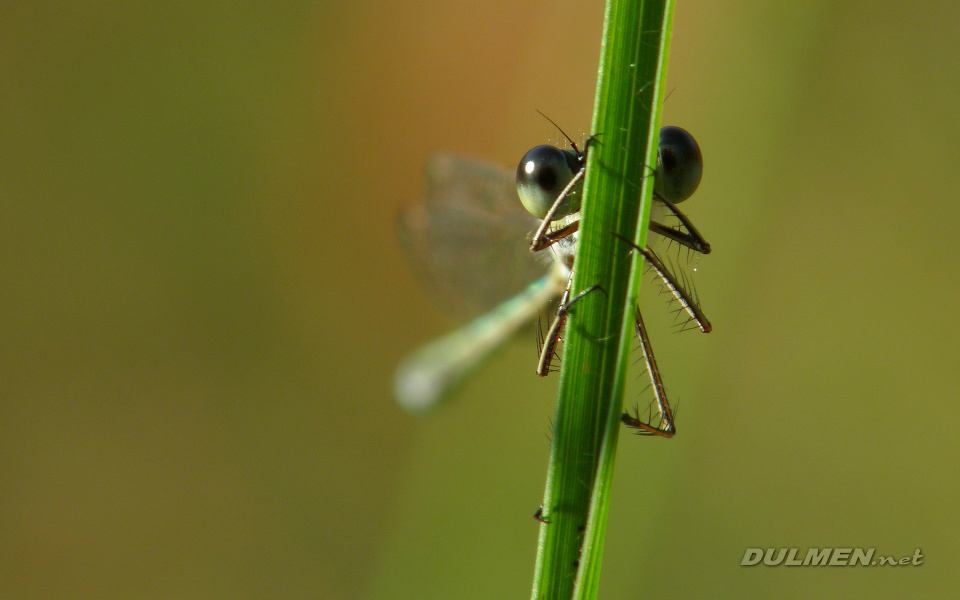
(202, 301)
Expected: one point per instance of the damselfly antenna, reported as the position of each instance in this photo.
(562, 132)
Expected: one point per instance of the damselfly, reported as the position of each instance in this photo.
(471, 241)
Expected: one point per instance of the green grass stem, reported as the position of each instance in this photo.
(617, 198)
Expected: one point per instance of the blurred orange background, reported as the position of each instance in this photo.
(202, 301)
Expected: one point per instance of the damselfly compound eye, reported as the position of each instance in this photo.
(679, 165)
(542, 175)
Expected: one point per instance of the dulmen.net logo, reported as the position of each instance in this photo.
(826, 557)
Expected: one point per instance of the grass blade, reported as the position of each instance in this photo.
(617, 198)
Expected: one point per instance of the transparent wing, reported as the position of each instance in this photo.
(469, 240)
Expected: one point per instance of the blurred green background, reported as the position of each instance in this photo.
(202, 301)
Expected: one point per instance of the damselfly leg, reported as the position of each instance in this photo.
(548, 350)
(665, 428)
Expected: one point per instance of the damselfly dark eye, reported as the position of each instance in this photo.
(679, 165)
(542, 175)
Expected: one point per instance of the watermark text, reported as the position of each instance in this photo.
(826, 557)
